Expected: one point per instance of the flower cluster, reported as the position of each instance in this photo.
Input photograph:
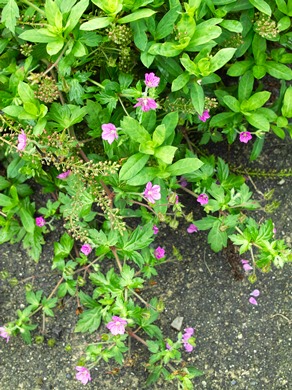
(147, 103)
(186, 338)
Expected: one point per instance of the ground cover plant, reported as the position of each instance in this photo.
(109, 106)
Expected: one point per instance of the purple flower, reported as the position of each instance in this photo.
(245, 136)
(188, 334)
(152, 192)
(146, 104)
(83, 374)
(188, 347)
(168, 346)
(4, 334)
(86, 249)
(253, 301)
(255, 293)
(204, 116)
(63, 175)
(159, 252)
(203, 199)
(109, 132)
(155, 229)
(151, 80)
(21, 141)
(183, 182)
(192, 228)
(117, 325)
(40, 221)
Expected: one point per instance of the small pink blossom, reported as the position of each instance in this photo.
(117, 325)
(146, 104)
(155, 229)
(203, 199)
(83, 374)
(192, 228)
(159, 252)
(151, 80)
(188, 347)
(255, 293)
(86, 249)
(253, 301)
(40, 221)
(22, 140)
(188, 334)
(245, 265)
(152, 192)
(204, 116)
(63, 175)
(4, 334)
(245, 136)
(109, 132)
(168, 346)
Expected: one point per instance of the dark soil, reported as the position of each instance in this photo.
(239, 346)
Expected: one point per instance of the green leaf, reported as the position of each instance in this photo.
(41, 35)
(239, 68)
(189, 65)
(232, 103)
(34, 298)
(96, 23)
(133, 166)
(245, 86)
(206, 223)
(152, 346)
(10, 14)
(27, 220)
(166, 24)
(147, 174)
(26, 94)
(255, 101)
(259, 121)
(140, 238)
(170, 121)
(204, 33)
(158, 135)
(221, 58)
(222, 119)
(180, 81)
(75, 15)
(140, 37)
(232, 25)
(279, 71)
(134, 130)
(287, 103)
(89, 321)
(262, 6)
(183, 166)
(198, 97)
(216, 238)
(257, 148)
(140, 14)
(53, 14)
(165, 153)
(13, 111)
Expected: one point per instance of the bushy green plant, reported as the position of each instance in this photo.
(98, 102)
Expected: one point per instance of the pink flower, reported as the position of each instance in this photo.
(151, 80)
(188, 334)
(203, 199)
(188, 347)
(152, 192)
(146, 104)
(159, 253)
(21, 141)
(83, 374)
(245, 265)
(192, 228)
(40, 221)
(155, 229)
(245, 136)
(168, 346)
(117, 325)
(86, 249)
(253, 301)
(255, 293)
(63, 175)
(204, 116)
(4, 334)
(109, 132)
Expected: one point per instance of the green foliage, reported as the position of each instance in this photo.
(109, 147)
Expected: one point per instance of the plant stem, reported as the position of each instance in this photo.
(114, 251)
(27, 2)
(57, 60)
(132, 334)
